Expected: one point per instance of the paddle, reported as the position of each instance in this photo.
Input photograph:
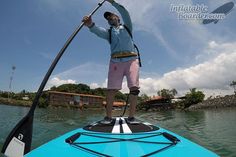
(19, 140)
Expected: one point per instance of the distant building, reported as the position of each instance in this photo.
(116, 104)
(26, 97)
(158, 101)
(178, 99)
(161, 102)
(74, 99)
(119, 104)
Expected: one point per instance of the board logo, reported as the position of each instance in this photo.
(20, 137)
(200, 12)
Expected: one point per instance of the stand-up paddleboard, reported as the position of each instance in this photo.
(120, 139)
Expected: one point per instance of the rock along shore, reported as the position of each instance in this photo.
(213, 103)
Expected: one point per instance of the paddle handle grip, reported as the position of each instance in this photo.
(170, 137)
(72, 139)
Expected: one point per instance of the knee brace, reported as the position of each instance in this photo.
(134, 92)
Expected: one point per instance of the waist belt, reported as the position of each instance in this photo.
(124, 55)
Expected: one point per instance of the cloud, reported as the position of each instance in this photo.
(211, 62)
(148, 19)
(55, 81)
(84, 73)
(46, 55)
(94, 85)
(178, 37)
(63, 5)
(214, 48)
(212, 76)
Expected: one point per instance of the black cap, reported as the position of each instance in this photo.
(107, 13)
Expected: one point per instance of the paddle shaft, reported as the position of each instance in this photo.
(53, 65)
(25, 126)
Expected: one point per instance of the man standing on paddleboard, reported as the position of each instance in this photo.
(124, 58)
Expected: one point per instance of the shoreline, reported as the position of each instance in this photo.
(13, 102)
(227, 101)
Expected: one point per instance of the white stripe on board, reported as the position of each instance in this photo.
(92, 125)
(146, 123)
(116, 128)
(125, 127)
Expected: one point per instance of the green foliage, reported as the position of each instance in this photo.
(141, 100)
(43, 102)
(12, 95)
(193, 97)
(53, 88)
(233, 84)
(4, 94)
(74, 88)
(166, 93)
(79, 88)
(84, 89)
(32, 96)
(99, 91)
(120, 96)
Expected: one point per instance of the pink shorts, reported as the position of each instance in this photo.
(118, 70)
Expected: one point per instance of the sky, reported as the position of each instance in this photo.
(176, 53)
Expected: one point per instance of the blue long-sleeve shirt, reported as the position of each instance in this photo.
(121, 40)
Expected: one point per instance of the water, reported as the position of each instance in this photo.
(213, 129)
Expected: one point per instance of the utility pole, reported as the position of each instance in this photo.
(11, 78)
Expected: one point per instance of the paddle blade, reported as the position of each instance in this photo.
(19, 140)
(207, 21)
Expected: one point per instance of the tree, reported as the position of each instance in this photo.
(142, 98)
(120, 96)
(83, 88)
(67, 88)
(141, 101)
(74, 88)
(99, 91)
(53, 88)
(166, 93)
(4, 94)
(233, 84)
(18, 96)
(43, 101)
(193, 97)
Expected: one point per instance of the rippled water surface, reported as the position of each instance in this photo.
(213, 129)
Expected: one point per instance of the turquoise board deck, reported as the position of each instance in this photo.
(120, 139)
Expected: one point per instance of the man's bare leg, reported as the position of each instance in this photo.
(133, 98)
(110, 99)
